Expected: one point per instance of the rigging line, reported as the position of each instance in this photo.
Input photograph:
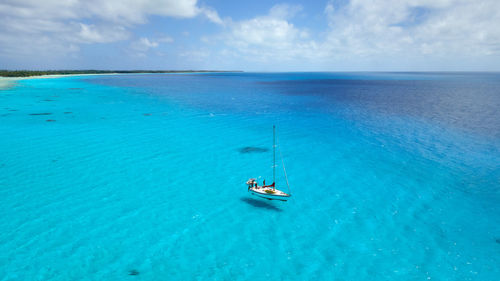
(284, 170)
(274, 155)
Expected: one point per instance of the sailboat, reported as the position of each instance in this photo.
(269, 191)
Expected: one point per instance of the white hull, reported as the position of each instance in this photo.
(269, 193)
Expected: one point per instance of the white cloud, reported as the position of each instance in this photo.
(119, 11)
(417, 28)
(141, 47)
(211, 14)
(378, 34)
(99, 34)
(284, 11)
(144, 44)
(329, 10)
(63, 25)
(270, 36)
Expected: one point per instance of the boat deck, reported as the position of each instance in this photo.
(269, 192)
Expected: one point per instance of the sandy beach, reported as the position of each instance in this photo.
(8, 82)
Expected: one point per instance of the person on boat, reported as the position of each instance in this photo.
(264, 183)
(251, 183)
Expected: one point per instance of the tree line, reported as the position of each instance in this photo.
(27, 73)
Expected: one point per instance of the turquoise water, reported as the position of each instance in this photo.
(394, 176)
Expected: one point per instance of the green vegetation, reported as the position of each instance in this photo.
(27, 73)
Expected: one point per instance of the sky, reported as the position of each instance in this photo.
(257, 35)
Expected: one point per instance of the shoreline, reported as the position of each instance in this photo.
(7, 82)
(31, 73)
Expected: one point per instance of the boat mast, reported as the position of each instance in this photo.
(274, 156)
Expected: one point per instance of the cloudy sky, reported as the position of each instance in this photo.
(257, 35)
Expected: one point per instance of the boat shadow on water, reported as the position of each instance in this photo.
(252, 149)
(260, 204)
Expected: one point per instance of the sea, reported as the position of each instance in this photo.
(393, 176)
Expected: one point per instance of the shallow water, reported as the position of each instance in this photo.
(394, 176)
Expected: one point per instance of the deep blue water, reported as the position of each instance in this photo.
(394, 176)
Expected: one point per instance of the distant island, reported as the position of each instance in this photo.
(28, 73)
